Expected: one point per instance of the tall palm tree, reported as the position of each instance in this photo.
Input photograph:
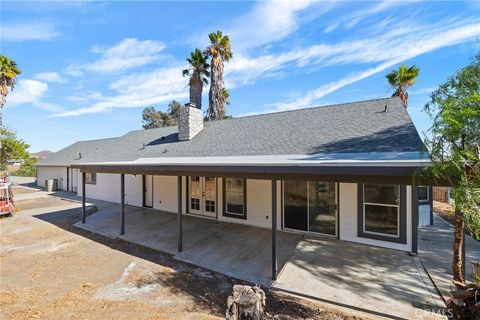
(226, 96)
(8, 78)
(401, 79)
(199, 74)
(219, 50)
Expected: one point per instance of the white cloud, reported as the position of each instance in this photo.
(86, 96)
(138, 90)
(350, 20)
(388, 46)
(424, 44)
(29, 91)
(269, 21)
(127, 54)
(378, 50)
(49, 76)
(28, 31)
(163, 85)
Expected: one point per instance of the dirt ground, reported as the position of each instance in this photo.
(444, 210)
(51, 270)
(19, 190)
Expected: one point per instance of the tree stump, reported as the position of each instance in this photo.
(246, 303)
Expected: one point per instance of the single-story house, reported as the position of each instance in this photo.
(344, 171)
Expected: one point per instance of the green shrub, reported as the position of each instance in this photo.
(27, 169)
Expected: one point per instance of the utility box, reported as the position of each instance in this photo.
(51, 185)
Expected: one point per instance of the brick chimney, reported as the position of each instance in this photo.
(190, 123)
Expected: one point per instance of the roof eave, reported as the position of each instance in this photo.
(392, 174)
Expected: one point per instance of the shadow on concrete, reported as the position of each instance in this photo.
(382, 282)
(237, 250)
(208, 289)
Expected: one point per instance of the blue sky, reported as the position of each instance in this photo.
(89, 68)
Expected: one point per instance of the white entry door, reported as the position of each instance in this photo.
(148, 191)
(203, 196)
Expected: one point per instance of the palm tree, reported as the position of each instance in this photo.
(8, 78)
(401, 79)
(220, 51)
(226, 96)
(199, 74)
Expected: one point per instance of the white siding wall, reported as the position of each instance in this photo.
(165, 193)
(133, 190)
(59, 173)
(259, 204)
(107, 188)
(348, 219)
(75, 178)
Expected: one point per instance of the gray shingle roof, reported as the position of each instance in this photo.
(351, 127)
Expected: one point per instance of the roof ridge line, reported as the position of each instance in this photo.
(316, 107)
(248, 116)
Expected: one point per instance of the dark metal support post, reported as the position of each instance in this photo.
(122, 197)
(274, 230)
(84, 212)
(68, 179)
(180, 227)
(414, 195)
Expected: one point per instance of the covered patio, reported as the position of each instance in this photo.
(372, 281)
(374, 167)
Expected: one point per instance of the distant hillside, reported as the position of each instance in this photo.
(42, 154)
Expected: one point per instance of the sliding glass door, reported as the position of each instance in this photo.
(310, 206)
(295, 205)
(322, 207)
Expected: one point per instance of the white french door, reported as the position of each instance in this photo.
(202, 196)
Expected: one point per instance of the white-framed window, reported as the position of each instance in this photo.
(91, 178)
(423, 194)
(382, 212)
(235, 204)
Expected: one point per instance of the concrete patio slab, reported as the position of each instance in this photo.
(380, 282)
(435, 245)
(243, 252)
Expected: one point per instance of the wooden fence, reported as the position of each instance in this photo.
(441, 194)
